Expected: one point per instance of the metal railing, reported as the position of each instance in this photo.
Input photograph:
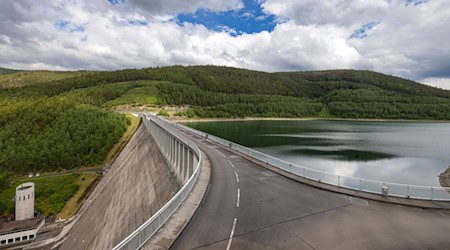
(353, 183)
(142, 234)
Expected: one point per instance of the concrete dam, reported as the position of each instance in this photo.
(246, 203)
(137, 185)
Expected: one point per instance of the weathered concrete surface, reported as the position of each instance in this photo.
(173, 227)
(137, 185)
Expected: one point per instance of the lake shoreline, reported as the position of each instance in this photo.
(410, 140)
(187, 120)
(444, 178)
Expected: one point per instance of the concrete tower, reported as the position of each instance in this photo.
(25, 201)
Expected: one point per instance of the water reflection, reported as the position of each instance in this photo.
(342, 155)
(409, 153)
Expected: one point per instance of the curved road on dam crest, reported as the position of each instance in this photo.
(250, 207)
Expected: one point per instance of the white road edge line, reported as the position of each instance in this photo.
(237, 177)
(231, 234)
(238, 197)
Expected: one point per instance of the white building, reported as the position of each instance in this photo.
(19, 232)
(25, 228)
(25, 201)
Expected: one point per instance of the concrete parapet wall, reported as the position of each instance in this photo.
(178, 154)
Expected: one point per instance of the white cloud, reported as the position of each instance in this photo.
(338, 12)
(108, 44)
(443, 83)
(293, 47)
(157, 7)
(409, 41)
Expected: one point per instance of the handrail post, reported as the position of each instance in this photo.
(432, 193)
(360, 184)
(139, 238)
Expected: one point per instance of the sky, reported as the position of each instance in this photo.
(406, 38)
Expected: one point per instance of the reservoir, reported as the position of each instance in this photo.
(399, 152)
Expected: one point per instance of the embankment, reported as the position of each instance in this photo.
(138, 184)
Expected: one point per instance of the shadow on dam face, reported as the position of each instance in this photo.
(138, 184)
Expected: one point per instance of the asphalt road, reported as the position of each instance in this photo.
(250, 207)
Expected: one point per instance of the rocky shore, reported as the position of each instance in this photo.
(444, 178)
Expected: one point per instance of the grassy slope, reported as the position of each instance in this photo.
(24, 78)
(8, 71)
(51, 193)
(63, 194)
(86, 183)
(117, 148)
(313, 84)
(219, 92)
(145, 94)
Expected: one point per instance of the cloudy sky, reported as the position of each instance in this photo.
(408, 38)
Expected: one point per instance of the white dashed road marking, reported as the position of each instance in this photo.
(220, 153)
(238, 197)
(232, 165)
(231, 234)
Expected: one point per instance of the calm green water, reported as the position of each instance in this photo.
(401, 152)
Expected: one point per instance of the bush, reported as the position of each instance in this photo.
(163, 113)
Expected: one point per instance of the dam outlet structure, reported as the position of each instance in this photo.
(25, 201)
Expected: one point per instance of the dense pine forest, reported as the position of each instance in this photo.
(51, 120)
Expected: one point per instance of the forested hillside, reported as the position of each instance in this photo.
(51, 120)
(7, 71)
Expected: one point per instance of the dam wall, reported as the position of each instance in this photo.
(139, 183)
(183, 158)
